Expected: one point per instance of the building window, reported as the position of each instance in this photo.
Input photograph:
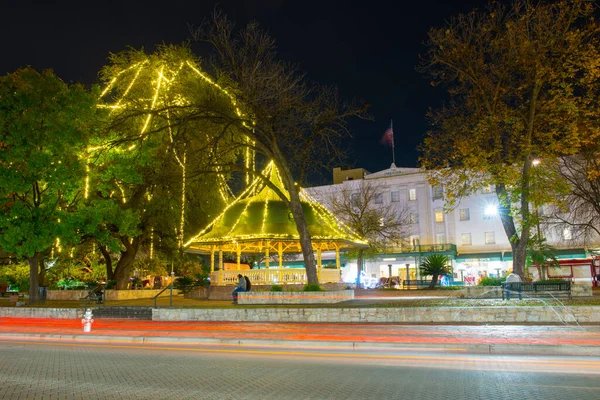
(413, 218)
(567, 234)
(439, 215)
(440, 238)
(438, 192)
(412, 194)
(395, 197)
(490, 238)
(465, 239)
(379, 198)
(464, 214)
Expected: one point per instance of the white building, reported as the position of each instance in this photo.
(472, 234)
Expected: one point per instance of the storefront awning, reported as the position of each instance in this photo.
(479, 257)
(561, 254)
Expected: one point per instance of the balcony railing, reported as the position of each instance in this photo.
(426, 248)
(273, 276)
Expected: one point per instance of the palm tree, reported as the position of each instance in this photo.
(435, 265)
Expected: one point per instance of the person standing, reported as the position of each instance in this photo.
(241, 287)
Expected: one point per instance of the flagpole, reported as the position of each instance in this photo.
(393, 152)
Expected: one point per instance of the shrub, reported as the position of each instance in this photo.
(313, 288)
(276, 288)
(491, 281)
(183, 281)
(111, 284)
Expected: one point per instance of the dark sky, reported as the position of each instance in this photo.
(368, 49)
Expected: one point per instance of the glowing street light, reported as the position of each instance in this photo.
(491, 210)
(536, 162)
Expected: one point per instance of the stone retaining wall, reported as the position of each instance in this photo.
(224, 292)
(32, 312)
(326, 297)
(110, 294)
(409, 315)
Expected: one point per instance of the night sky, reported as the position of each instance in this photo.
(368, 49)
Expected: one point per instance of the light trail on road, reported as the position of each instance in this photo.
(41, 369)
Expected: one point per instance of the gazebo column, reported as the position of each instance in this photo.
(267, 254)
(221, 266)
(337, 257)
(212, 258)
(280, 254)
(238, 251)
(319, 263)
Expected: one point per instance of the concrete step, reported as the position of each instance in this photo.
(142, 313)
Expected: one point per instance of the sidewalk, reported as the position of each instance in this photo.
(488, 339)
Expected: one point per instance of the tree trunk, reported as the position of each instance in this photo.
(108, 261)
(518, 244)
(519, 249)
(122, 270)
(434, 280)
(298, 213)
(34, 265)
(359, 261)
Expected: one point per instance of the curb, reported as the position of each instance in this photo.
(491, 349)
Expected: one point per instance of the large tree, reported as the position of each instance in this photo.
(45, 125)
(281, 114)
(139, 168)
(360, 206)
(522, 84)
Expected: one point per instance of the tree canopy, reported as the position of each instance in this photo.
(45, 125)
(522, 81)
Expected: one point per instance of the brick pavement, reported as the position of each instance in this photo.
(72, 371)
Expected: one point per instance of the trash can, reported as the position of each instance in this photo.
(43, 292)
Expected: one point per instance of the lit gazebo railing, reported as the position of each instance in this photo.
(274, 276)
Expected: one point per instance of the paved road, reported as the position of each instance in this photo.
(79, 370)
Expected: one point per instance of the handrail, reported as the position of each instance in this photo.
(159, 293)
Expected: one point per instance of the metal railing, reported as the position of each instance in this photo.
(535, 288)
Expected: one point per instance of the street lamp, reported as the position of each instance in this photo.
(491, 210)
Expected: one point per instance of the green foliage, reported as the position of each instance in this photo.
(44, 129)
(70, 284)
(136, 282)
(540, 253)
(435, 265)
(313, 288)
(488, 281)
(183, 281)
(16, 275)
(276, 288)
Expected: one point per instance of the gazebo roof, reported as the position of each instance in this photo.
(259, 219)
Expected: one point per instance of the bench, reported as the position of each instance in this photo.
(418, 283)
(536, 289)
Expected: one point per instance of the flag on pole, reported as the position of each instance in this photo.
(388, 136)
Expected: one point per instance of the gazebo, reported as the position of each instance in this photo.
(259, 222)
